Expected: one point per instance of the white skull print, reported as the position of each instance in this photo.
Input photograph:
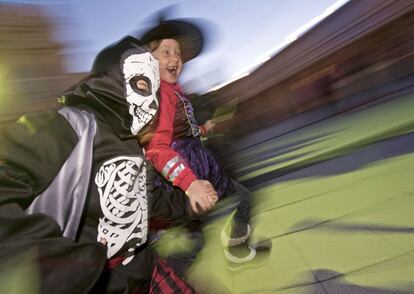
(121, 184)
(143, 104)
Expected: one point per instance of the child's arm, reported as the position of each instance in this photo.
(169, 163)
(165, 159)
(207, 127)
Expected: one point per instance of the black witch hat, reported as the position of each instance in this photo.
(190, 33)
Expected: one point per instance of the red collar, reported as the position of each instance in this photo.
(165, 86)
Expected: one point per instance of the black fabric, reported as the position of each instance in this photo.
(109, 57)
(172, 208)
(31, 153)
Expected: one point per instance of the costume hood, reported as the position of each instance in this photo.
(111, 91)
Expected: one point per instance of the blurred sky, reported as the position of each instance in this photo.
(245, 31)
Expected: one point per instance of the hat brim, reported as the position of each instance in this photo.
(186, 32)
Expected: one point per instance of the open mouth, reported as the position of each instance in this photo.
(173, 70)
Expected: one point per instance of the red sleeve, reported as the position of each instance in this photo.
(166, 160)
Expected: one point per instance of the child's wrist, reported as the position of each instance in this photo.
(203, 130)
(187, 193)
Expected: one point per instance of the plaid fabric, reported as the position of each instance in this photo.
(165, 281)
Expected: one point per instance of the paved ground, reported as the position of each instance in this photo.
(337, 199)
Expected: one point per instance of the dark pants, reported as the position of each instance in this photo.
(238, 199)
(242, 196)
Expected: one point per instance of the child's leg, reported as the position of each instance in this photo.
(242, 215)
(239, 251)
(239, 202)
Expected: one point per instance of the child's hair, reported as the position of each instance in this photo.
(153, 45)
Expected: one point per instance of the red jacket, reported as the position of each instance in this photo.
(175, 119)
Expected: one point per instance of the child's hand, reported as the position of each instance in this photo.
(202, 195)
(211, 191)
(210, 125)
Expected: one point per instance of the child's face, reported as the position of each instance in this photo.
(169, 57)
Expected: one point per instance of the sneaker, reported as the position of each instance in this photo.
(239, 233)
(241, 253)
(247, 256)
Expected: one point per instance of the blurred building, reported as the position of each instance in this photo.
(361, 53)
(31, 67)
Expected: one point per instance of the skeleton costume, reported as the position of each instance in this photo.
(75, 178)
